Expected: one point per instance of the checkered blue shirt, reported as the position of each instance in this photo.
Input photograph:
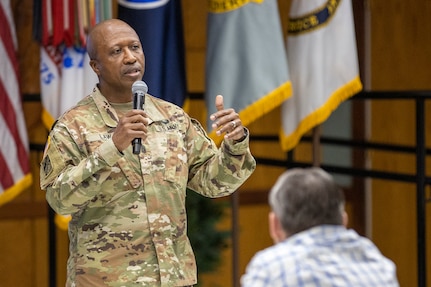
(324, 256)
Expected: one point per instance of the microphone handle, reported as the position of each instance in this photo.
(137, 146)
(138, 101)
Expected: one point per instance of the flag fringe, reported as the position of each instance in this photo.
(261, 107)
(288, 142)
(62, 221)
(47, 119)
(186, 105)
(16, 189)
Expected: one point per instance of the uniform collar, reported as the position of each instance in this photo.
(110, 116)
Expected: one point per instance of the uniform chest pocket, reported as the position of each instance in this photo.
(168, 156)
(94, 140)
(176, 159)
(126, 171)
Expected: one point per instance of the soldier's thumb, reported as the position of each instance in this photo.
(219, 102)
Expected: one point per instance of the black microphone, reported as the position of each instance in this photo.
(139, 89)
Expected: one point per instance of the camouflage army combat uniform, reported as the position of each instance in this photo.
(128, 225)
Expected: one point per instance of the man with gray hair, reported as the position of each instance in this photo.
(313, 247)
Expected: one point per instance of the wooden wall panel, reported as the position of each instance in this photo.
(16, 230)
(194, 15)
(400, 59)
(400, 43)
(28, 50)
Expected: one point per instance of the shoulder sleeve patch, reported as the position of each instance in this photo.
(46, 165)
(51, 166)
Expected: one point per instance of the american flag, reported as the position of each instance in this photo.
(15, 173)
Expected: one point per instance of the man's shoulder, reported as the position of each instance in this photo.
(160, 109)
(158, 102)
(81, 111)
(279, 250)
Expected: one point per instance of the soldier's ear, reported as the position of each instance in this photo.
(95, 66)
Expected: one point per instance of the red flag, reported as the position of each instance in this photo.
(15, 173)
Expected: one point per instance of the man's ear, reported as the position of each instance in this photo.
(345, 218)
(275, 229)
(95, 66)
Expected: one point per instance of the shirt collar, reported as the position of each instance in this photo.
(109, 115)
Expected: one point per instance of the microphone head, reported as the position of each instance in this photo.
(139, 87)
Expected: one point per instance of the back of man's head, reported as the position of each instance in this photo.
(306, 197)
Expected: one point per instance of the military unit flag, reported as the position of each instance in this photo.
(323, 64)
(246, 58)
(65, 74)
(159, 25)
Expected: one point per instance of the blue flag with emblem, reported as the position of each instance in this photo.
(160, 29)
(246, 58)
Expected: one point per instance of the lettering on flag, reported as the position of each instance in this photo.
(50, 83)
(314, 20)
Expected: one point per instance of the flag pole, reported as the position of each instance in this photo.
(52, 248)
(316, 145)
(235, 245)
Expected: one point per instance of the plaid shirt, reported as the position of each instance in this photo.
(321, 256)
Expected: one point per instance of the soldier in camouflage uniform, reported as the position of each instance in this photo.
(128, 219)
